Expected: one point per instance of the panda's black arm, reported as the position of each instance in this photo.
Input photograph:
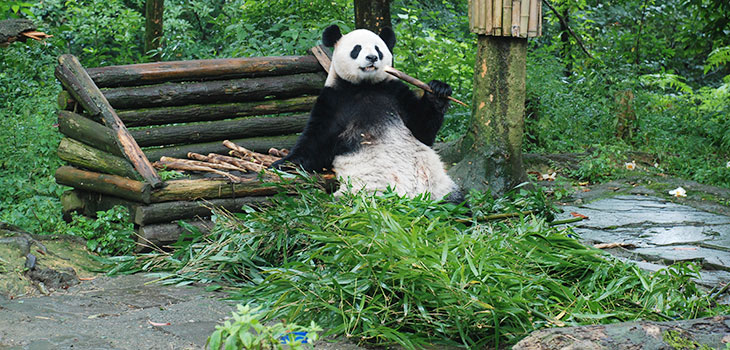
(424, 115)
(315, 147)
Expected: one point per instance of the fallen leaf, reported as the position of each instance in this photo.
(685, 248)
(158, 324)
(577, 215)
(583, 183)
(87, 278)
(614, 245)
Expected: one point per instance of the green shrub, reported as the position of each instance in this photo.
(111, 233)
(248, 332)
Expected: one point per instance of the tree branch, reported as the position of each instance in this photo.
(565, 23)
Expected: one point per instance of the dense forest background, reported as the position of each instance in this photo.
(610, 82)
(646, 76)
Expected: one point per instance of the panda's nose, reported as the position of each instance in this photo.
(371, 58)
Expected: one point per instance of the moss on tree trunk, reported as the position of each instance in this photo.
(489, 155)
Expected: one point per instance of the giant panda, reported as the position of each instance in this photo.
(369, 127)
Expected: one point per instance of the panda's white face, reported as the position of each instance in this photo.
(360, 56)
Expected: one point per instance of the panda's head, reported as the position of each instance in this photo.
(360, 55)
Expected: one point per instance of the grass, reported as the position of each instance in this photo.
(387, 270)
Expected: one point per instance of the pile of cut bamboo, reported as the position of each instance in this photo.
(241, 160)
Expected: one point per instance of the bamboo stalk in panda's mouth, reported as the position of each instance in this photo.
(409, 79)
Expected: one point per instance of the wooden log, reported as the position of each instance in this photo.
(219, 130)
(172, 211)
(75, 79)
(83, 129)
(215, 69)
(258, 144)
(89, 203)
(85, 156)
(66, 101)
(184, 190)
(216, 91)
(210, 112)
(104, 183)
(158, 235)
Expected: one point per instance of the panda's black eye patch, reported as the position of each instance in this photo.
(380, 53)
(355, 51)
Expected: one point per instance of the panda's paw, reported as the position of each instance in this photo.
(279, 164)
(440, 88)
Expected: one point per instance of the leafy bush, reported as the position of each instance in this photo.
(28, 137)
(111, 233)
(248, 332)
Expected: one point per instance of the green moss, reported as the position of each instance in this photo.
(680, 341)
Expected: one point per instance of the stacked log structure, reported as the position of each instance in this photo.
(119, 121)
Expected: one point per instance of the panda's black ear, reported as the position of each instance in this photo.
(331, 35)
(388, 36)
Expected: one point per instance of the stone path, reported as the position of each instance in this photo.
(124, 312)
(658, 232)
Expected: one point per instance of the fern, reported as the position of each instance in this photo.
(666, 80)
(718, 57)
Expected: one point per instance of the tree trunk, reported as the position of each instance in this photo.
(490, 154)
(154, 10)
(373, 15)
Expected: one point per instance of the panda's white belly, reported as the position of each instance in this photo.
(395, 159)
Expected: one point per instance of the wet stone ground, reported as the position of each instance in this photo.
(655, 230)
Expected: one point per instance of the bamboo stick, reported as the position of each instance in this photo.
(104, 183)
(409, 79)
(212, 112)
(497, 17)
(215, 91)
(516, 12)
(191, 165)
(524, 17)
(228, 162)
(532, 25)
(246, 154)
(258, 144)
(213, 69)
(241, 163)
(219, 130)
(75, 79)
(506, 17)
(488, 13)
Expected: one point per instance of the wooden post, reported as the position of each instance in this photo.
(373, 15)
(154, 10)
(74, 77)
(489, 156)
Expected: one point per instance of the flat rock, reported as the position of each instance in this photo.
(644, 335)
(661, 232)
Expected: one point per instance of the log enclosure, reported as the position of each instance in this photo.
(117, 120)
